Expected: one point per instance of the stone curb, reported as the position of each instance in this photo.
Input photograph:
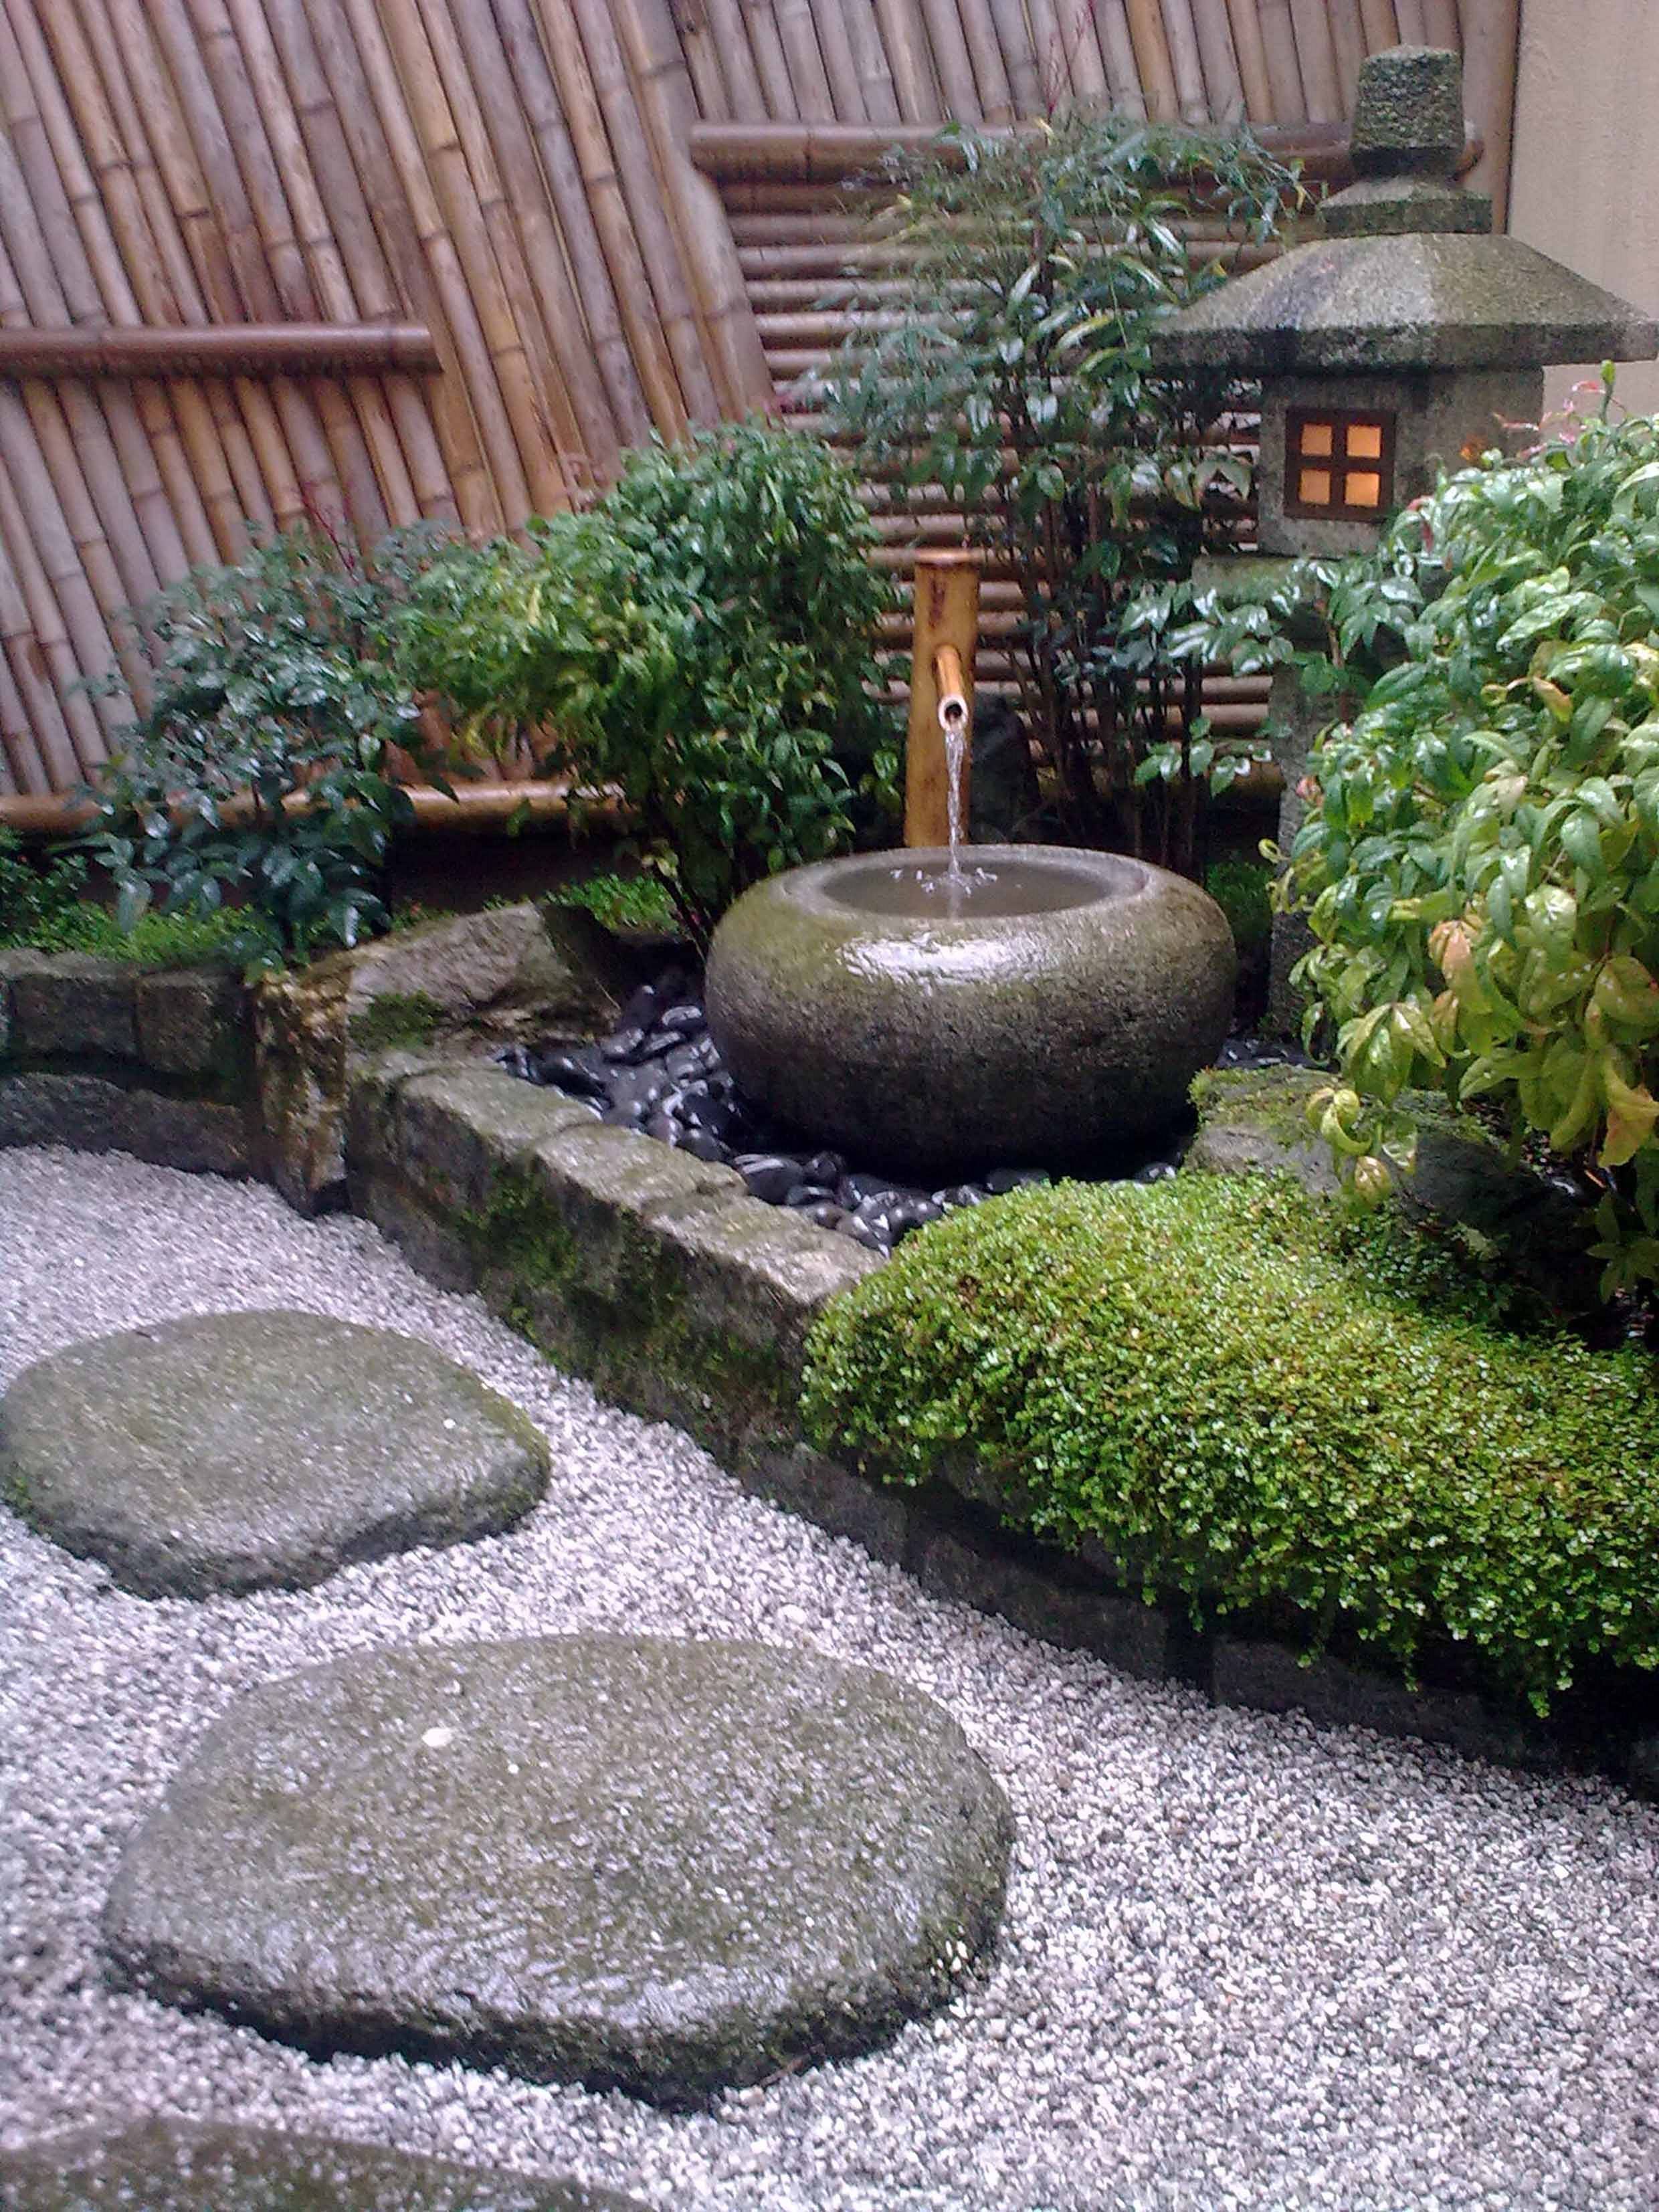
(426, 1146)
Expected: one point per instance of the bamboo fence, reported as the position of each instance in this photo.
(378, 261)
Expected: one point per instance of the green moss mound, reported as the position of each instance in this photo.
(1249, 1400)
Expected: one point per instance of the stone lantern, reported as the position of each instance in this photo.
(1408, 337)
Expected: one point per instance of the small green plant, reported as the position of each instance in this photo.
(1243, 889)
(1020, 381)
(259, 768)
(1247, 1398)
(1480, 859)
(640, 903)
(45, 909)
(701, 641)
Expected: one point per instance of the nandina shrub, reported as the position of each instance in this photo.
(1250, 1399)
(703, 640)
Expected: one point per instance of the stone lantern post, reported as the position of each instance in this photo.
(1406, 339)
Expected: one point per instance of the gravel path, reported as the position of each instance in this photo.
(1246, 1962)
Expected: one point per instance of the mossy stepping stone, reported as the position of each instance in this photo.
(669, 1868)
(238, 1451)
(171, 2166)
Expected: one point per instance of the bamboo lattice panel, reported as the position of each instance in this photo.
(514, 175)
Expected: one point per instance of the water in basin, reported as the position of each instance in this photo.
(932, 890)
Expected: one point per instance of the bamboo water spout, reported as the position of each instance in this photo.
(936, 765)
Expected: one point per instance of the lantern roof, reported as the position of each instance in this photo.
(1409, 276)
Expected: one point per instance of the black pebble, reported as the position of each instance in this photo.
(769, 1176)
(1006, 1179)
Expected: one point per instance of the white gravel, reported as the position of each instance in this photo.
(1246, 1962)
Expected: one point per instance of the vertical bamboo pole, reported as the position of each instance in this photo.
(368, 274)
(742, 78)
(1252, 62)
(1382, 25)
(1284, 70)
(1440, 22)
(875, 76)
(979, 33)
(1101, 55)
(1180, 35)
(1348, 38)
(398, 226)
(1491, 34)
(952, 65)
(1018, 51)
(702, 62)
(663, 91)
(51, 641)
(906, 43)
(814, 102)
(767, 46)
(1316, 52)
(1152, 60)
(18, 749)
(1413, 24)
(946, 614)
(1222, 85)
(256, 452)
(835, 38)
(53, 766)
(591, 271)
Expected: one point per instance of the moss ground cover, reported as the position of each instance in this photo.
(1245, 1398)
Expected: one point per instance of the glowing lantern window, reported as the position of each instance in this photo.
(1338, 465)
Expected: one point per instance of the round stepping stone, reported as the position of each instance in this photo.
(171, 2166)
(663, 1867)
(237, 1451)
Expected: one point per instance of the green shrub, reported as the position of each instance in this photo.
(1206, 1377)
(273, 688)
(1479, 860)
(45, 909)
(702, 639)
(1243, 889)
(620, 903)
(1037, 265)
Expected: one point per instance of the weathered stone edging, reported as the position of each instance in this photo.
(682, 1297)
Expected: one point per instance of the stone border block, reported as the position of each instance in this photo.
(1112, 1625)
(188, 1020)
(75, 1002)
(96, 1116)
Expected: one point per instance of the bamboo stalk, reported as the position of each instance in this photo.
(1413, 25)
(1152, 61)
(748, 100)
(1348, 38)
(50, 640)
(1382, 25)
(1222, 83)
(544, 247)
(1316, 50)
(1490, 34)
(1018, 52)
(1252, 54)
(702, 62)
(367, 274)
(293, 449)
(591, 272)
(392, 490)
(1181, 36)
(1097, 33)
(996, 103)
(454, 419)
(952, 65)
(881, 103)
(808, 78)
(835, 45)
(509, 228)
(1440, 24)
(1284, 70)
(945, 628)
(502, 473)
(256, 452)
(767, 46)
(20, 755)
(906, 43)
(663, 95)
(46, 762)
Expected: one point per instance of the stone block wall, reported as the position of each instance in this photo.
(109, 1057)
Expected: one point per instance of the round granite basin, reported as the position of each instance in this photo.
(1050, 1008)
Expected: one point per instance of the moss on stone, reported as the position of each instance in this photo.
(639, 1341)
(396, 1020)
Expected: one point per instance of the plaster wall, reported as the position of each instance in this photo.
(1585, 179)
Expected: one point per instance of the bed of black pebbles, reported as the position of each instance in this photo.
(660, 1071)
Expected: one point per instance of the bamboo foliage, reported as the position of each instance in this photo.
(512, 175)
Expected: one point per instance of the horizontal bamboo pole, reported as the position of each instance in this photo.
(219, 350)
(477, 808)
(827, 153)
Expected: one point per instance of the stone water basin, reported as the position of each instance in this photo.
(1048, 1003)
